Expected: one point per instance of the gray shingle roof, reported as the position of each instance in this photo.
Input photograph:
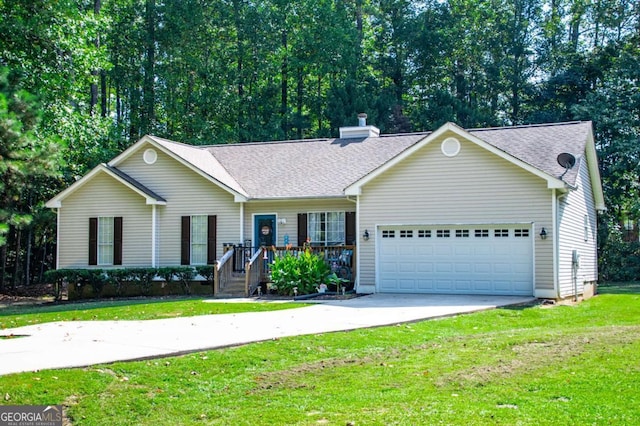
(316, 168)
(539, 145)
(135, 183)
(307, 168)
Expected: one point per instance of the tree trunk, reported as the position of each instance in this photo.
(3, 266)
(284, 102)
(103, 94)
(17, 264)
(148, 86)
(300, 101)
(97, 4)
(27, 266)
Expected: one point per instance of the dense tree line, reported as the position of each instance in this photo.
(80, 80)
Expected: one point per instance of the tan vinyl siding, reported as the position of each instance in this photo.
(187, 193)
(474, 187)
(289, 210)
(104, 196)
(571, 212)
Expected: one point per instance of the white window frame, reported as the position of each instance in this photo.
(105, 237)
(198, 234)
(323, 228)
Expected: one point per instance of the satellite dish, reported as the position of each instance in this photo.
(566, 160)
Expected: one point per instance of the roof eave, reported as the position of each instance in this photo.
(56, 202)
(238, 196)
(356, 187)
(594, 172)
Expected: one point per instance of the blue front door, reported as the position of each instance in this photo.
(264, 230)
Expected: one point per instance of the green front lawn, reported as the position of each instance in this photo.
(537, 365)
(128, 309)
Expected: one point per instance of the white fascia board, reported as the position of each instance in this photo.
(56, 202)
(594, 172)
(355, 188)
(238, 197)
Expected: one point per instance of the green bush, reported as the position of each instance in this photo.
(620, 261)
(184, 274)
(304, 271)
(144, 278)
(118, 278)
(206, 271)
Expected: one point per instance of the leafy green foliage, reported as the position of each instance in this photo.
(183, 274)
(26, 158)
(303, 270)
(118, 278)
(619, 260)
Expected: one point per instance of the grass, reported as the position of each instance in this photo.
(130, 309)
(563, 365)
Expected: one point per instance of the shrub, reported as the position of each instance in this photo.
(118, 278)
(57, 277)
(144, 278)
(306, 271)
(184, 274)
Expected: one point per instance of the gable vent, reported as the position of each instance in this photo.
(361, 130)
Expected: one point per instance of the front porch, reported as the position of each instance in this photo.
(243, 270)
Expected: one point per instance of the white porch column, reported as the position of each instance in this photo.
(241, 223)
(154, 233)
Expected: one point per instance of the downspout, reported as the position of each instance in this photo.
(358, 258)
(154, 233)
(556, 242)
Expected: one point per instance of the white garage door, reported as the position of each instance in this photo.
(474, 259)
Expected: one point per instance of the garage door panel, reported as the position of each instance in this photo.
(463, 285)
(482, 285)
(463, 267)
(422, 284)
(442, 249)
(482, 268)
(406, 284)
(482, 259)
(406, 267)
(424, 250)
(444, 267)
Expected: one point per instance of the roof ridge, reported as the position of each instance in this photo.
(527, 126)
(421, 133)
(215, 145)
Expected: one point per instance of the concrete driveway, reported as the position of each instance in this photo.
(83, 343)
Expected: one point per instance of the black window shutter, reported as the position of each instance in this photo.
(350, 228)
(302, 228)
(117, 240)
(93, 241)
(211, 240)
(185, 244)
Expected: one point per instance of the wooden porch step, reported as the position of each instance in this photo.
(234, 288)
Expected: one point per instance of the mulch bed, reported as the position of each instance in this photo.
(33, 294)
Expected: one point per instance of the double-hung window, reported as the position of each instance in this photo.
(326, 228)
(198, 240)
(105, 241)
